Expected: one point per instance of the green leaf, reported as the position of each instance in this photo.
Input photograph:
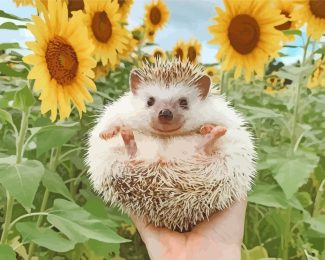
(292, 32)
(258, 252)
(294, 172)
(44, 237)
(259, 112)
(320, 51)
(304, 198)
(23, 99)
(6, 70)
(103, 249)
(11, 26)
(6, 116)
(79, 225)
(268, 195)
(6, 252)
(9, 45)
(22, 180)
(54, 136)
(11, 16)
(312, 257)
(54, 183)
(317, 223)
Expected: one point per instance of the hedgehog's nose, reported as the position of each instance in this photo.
(165, 115)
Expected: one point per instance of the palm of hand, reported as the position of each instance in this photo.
(218, 238)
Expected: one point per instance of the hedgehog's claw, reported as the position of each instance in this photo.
(129, 141)
(207, 145)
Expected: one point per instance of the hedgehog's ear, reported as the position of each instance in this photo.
(134, 80)
(203, 84)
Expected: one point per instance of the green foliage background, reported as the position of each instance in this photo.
(56, 215)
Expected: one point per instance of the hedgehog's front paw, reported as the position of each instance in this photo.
(211, 135)
(109, 133)
(129, 141)
(206, 128)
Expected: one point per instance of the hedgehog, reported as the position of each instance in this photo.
(169, 151)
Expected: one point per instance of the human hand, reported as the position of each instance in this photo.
(219, 237)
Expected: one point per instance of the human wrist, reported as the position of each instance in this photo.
(214, 251)
(231, 252)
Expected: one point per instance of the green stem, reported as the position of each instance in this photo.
(294, 146)
(296, 101)
(224, 83)
(52, 166)
(19, 157)
(286, 237)
(21, 137)
(26, 216)
(6, 228)
(317, 206)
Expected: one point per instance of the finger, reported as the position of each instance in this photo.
(226, 225)
(146, 230)
(234, 213)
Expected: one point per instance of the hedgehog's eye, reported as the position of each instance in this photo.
(183, 103)
(150, 101)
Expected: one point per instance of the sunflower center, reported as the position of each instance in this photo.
(121, 3)
(191, 53)
(61, 60)
(317, 7)
(157, 54)
(75, 5)
(179, 53)
(210, 73)
(286, 25)
(101, 26)
(243, 33)
(155, 15)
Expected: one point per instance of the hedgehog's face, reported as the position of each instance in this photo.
(165, 110)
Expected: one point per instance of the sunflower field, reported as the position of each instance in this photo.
(79, 59)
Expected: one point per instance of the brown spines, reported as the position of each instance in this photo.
(170, 72)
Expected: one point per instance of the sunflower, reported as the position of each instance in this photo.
(274, 84)
(130, 47)
(150, 35)
(286, 7)
(74, 5)
(180, 50)
(214, 74)
(156, 15)
(138, 34)
(62, 61)
(313, 13)
(317, 78)
(23, 2)
(158, 53)
(124, 8)
(193, 51)
(246, 35)
(100, 70)
(103, 22)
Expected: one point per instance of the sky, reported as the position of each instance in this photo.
(189, 19)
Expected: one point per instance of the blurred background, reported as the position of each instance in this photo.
(58, 70)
